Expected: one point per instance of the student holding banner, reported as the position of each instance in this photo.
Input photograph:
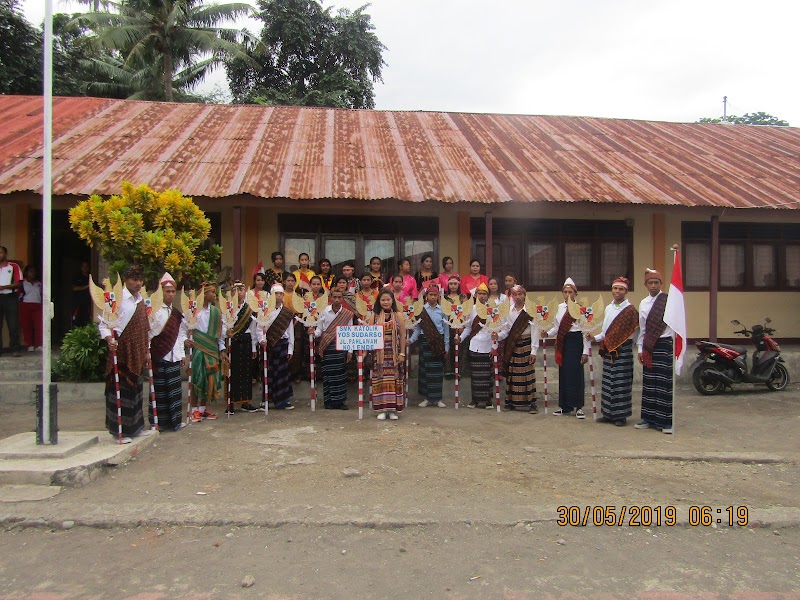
(434, 331)
(387, 374)
(334, 369)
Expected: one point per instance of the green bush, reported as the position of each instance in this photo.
(83, 355)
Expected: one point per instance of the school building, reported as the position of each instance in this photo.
(543, 197)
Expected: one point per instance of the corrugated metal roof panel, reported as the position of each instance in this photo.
(309, 153)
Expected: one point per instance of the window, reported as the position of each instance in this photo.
(542, 252)
(357, 238)
(752, 256)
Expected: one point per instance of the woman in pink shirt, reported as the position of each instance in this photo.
(409, 283)
(470, 282)
(397, 289)
(447, 272)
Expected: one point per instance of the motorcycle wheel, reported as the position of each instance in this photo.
(706, 384)
(779, 379)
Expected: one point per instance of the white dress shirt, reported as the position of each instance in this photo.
(287, 335)
(326, 319)
(612, 310)
(160, 319)
(126, 308)
(562, 310)
(481, 342)
(203, 315)
(644, 310)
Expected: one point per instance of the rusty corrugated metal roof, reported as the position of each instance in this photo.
(307, 153)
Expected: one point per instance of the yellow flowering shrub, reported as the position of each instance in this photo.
(158, 230)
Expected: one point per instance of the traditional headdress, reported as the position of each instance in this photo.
(568, 282)
(276, 288)
(168, 280)
(482, 287)
(455, 276)
(652, 274)
(208, 285)
(432, 288)
(621, 281)
(517, 288)
(238, 283)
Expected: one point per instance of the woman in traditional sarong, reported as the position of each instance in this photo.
(426, 274)
(387, 372)
(471, 281)
(325, 274)
(619, 324)
(572, 352)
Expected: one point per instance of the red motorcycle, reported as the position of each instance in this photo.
(719, 366)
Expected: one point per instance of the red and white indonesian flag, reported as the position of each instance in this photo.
(675, 313)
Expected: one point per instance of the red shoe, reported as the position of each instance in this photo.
(209, 415)
(196, 416)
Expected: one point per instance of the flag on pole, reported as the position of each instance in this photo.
(675, 312)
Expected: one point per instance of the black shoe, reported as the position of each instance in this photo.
(230, 411)
(604, 420)
(344, 407)
(248, 408)
(533, 410)
(620, 422)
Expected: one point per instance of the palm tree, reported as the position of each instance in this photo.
(178, 40)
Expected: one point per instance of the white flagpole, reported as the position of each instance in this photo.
(47, 202)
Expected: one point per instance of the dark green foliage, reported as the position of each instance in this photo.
(20, 52)
(83, 355)
(756, 118)
(310, 57)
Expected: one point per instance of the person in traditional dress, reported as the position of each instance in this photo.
(655, 356)
(496, 297)
(334, 372)
(348, 272)
(616, 347)
(243, 335)
(278, 342)
(397, 290)
(572, 352)
(378, 278)
(519, 355)
(275, 274)
(128, 337)
(298, 364)
(168, 356)
(409, 283)
(479, 341)
(433, 332)
(447, 272)
(259, 285)
(471, 281)
(367, 293)
(326, 275)
(426, 274)
(303, 274)
(387, 373)
(208, 342)
(454, 296)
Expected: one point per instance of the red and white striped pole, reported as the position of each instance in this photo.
(496, 376)
(311, 374)
(360, 384)
(266, 383)
(544, 366)
(152, 387)
(228, 378)
(190, 387)
(591, 380)
(455, 350)
(116, 386)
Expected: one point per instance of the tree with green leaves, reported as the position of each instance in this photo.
(20, 52)
(310, 57)
(160, 49)
(756, 118)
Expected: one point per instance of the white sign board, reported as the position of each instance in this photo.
(359, 337)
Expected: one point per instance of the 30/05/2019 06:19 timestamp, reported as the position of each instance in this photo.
(646, 516)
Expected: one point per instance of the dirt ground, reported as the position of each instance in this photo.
(438, 493)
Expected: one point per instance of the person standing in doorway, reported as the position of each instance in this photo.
(10, 282)
(30, 310)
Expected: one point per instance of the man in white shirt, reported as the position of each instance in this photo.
(127, 336)
(10, 281)
(278, 343)
(655, 355)
(334, 362)
(480, 353)
(208, 343)
(167, 337)
(519, 356)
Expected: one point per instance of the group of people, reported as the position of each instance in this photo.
(20, 305)
(238, 350)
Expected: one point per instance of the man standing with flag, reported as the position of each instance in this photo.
(675, 314)
(655, 356)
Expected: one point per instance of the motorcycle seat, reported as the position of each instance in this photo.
(739, 349)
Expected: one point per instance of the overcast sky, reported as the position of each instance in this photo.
(640, 59)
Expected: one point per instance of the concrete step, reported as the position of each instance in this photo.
(22, 375)
(87, 454)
